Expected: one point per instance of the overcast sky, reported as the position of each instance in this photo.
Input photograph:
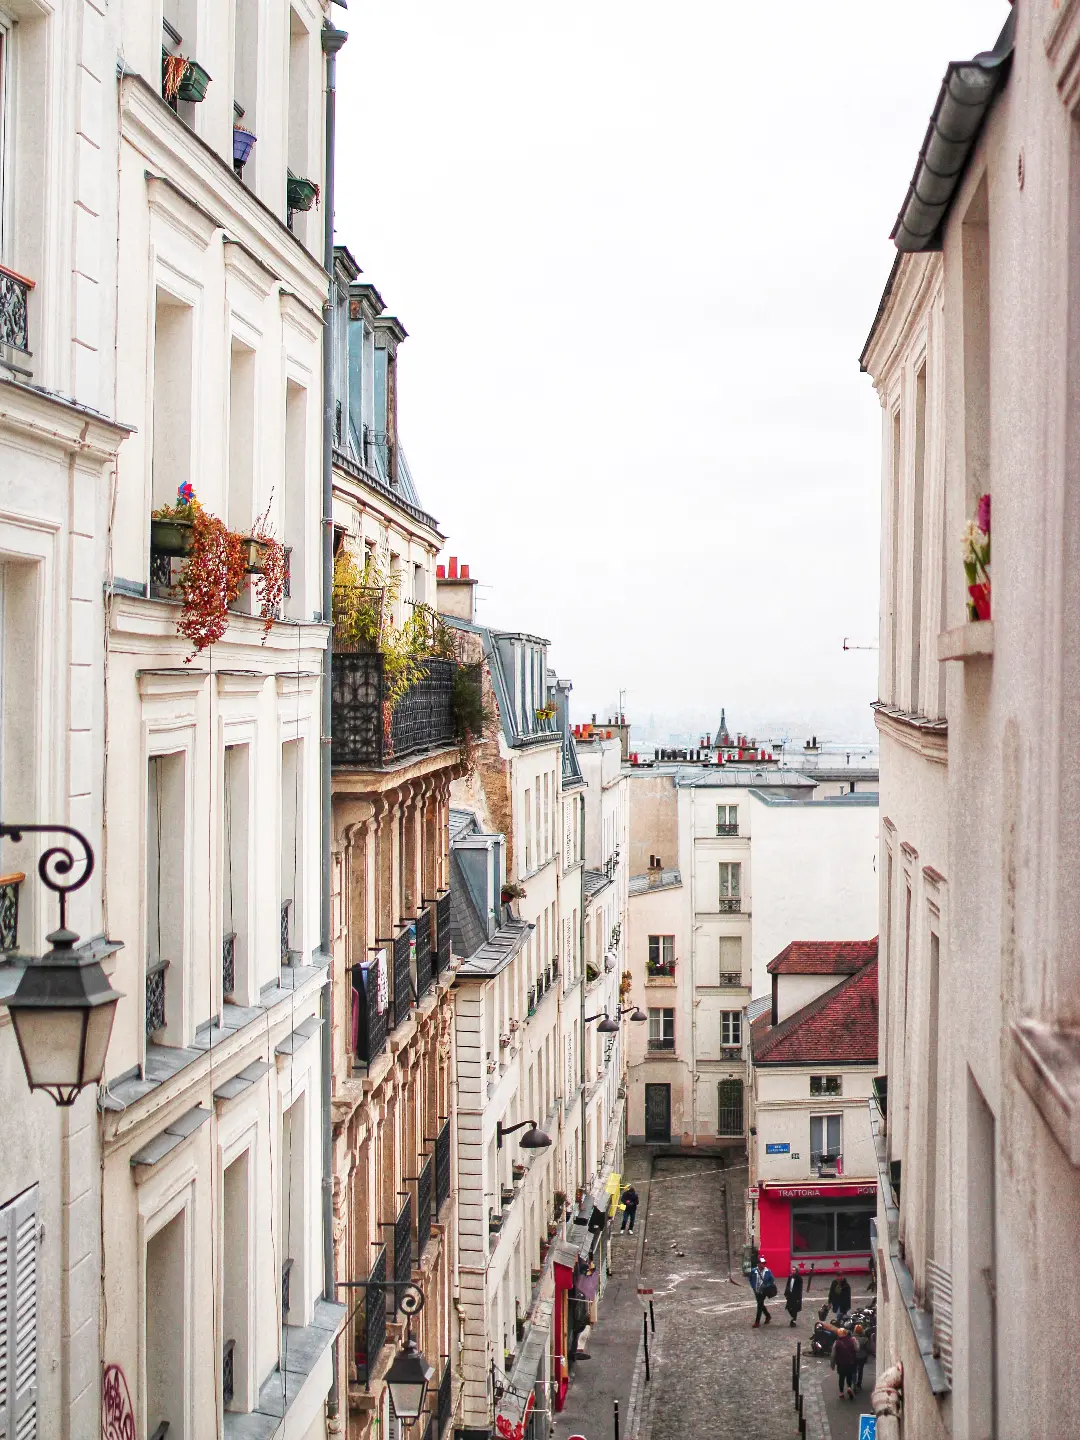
(638, 248)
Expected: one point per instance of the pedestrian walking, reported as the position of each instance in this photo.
(843, 1362)
(764, 1287)
(840, 1296)
(862, 1354)
(630, 1201)
(793, 1295)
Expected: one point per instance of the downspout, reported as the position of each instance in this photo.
(581, 987)
(693, 968)
(332, 41)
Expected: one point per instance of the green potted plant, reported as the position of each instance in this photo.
(242, 141)
(300, 194)
(193, 83)
(182, 79)
(512, 890)
(172, 527)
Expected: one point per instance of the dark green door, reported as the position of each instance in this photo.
(658, 1114)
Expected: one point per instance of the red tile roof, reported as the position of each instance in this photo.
(824, 957)
(839, 1027)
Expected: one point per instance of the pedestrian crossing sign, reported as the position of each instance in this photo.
(867, 1427)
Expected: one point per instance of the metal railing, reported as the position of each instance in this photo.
(728, 829)
(371, 1028)
(403, 1247)
(445, 1410)
(9, 910)
(730, 904)
(366, 734)
(731, 977)
(443, 942)
(227, 1379)
(286, 907)
(155, 995)
(228, 964)
(442, 1166)
(369, 1335)
(14, 310)
(660, 967)
(661, 1042)
(424, 972)
(286, 1272)
(402, 986)
(423, 1205)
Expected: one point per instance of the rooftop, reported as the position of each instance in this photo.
(654, 880)
(838, 1028)
(824, 957)
(593, 881)
(495, 954)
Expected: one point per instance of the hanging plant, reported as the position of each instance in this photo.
(977, 561)
(210, 581)
(173, 70)
(268, 566)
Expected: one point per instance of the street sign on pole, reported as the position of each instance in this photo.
(867, 1427)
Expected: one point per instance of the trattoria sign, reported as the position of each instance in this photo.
(819, 1192)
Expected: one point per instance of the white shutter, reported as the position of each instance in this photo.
(940, 1296)
(18, 1317)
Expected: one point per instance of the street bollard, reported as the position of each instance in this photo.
(652, 1319)
(794, 1374)
(616, 1420)
(645, 1324)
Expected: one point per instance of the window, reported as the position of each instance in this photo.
(824, 1138)
(246, 70)
(826, 1085)
(166, 1357)
(292, 851)
(299, 88)
(235, 1285)
(729, 1107)
(241, 507)
(661, 954)
(528, 830)
(731, 960)
(18, 1315)
(293, 1214)
(171, 450)
(661, 1029)
(727, 819)
(730, 1027)
(7, 125)
(917, 542)
(820, 1229)
(234, 879)
(730, 885)
(165, 913)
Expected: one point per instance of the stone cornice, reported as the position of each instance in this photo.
(928, 738)
(51, 419)
(915, 285)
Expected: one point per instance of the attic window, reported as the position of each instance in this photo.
(826, 1085)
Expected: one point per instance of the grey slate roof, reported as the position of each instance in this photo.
(468, 930)
(494, 955)
(593, 881)
(643, 884)
(868, 798)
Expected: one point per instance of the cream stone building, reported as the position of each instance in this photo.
(974, 363)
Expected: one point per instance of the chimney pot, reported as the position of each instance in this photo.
(440, 572)
(464, 572)
(453, 575)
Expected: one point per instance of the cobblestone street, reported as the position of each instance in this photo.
(712, 1374)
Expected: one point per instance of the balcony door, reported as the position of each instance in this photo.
(658, 1114)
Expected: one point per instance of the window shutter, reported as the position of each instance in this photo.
(939, 1286)
(18, 1317)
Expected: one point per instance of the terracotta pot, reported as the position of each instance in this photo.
(255, 553)
(980, 600)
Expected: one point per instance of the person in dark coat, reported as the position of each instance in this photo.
(840, 1296)
(793, 1295)
(630, 1201)
(764, 1288)
(843, 1361)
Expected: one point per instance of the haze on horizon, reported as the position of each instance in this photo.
(638, 250)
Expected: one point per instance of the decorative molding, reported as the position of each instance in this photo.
(928, 738)
(971, 641)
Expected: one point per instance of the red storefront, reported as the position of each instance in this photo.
(823, 1225)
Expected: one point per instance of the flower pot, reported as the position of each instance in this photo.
(300, 194)
(242, 141)
(193, 84)
(172, 537)
(535, 1273)
(256, 552)
(520, 1329)
(980, 600)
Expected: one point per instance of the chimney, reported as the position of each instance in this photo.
(455, 592)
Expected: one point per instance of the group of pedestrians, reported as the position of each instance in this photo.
(850, 1351)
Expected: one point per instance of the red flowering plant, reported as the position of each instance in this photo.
(270, 572)
(210, 580)
(977, 561)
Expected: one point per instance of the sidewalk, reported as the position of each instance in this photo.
(615, 1339)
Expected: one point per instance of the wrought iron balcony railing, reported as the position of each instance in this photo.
(14, 311)
(370, 1026)
(228, 964)
(9, 910)
(730, 904)
(731, 978)
(286, 912)
(366, 734)
(442, 1166)
(155, 995)
(423, 1205)
(727, 829)
(403, 1247)
(442, 933)
(227, 1379)
(424, 972)
(369, 1335)
(661, 1042)
(401, 990)
(286, 1272)
(446, 1398)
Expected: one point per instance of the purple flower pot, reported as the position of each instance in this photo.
(242, 141)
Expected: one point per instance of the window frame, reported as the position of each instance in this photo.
(823, 1119)
(825, 1084)
(729, 824)
(665, 1040)
(734, 872)
(8, 79)
(731, 1025)
(22, 1210)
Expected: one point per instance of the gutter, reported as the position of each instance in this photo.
(966, 94)
(332, 41)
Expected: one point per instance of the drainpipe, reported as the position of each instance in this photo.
(581, 988)
(332, 41)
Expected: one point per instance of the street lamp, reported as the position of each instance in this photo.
(609, 1025)
(407, 1380)
(533, 1139)
(63, 1008)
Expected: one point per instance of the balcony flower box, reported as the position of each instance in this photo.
(256, 554)
(552, 1229)
(242, 141)
(494, 1224)
(535, 1274)
(508, 1192)
(172, 537)
(300, 194)
(193, 83)
(519, 1171)
(519, 1328)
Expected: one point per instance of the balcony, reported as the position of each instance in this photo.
(367, 735)
(14, 321)
(9, 910)
(727, 829)
(660, 1043)
(369, 1024)
(442, 1167)
(155, 996)
(827, 1163)
(403, 1248)
(424, 971)
(731, 979)
(442, 933)
(730, 904)
(445, 1408)
(369, 1336)
(228, 965)
(660, 970)
(424, 1184)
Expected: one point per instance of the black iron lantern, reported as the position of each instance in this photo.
(637, 1015)
(407, 1380)
(533, 1139)
(63, 1008)
(608, 1026)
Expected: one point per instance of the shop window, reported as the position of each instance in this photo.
(822, 1229)
(826, 1085)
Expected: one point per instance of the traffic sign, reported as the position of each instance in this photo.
(867, 1427)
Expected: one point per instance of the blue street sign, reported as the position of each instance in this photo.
(778, 1150)
(867, 1427)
